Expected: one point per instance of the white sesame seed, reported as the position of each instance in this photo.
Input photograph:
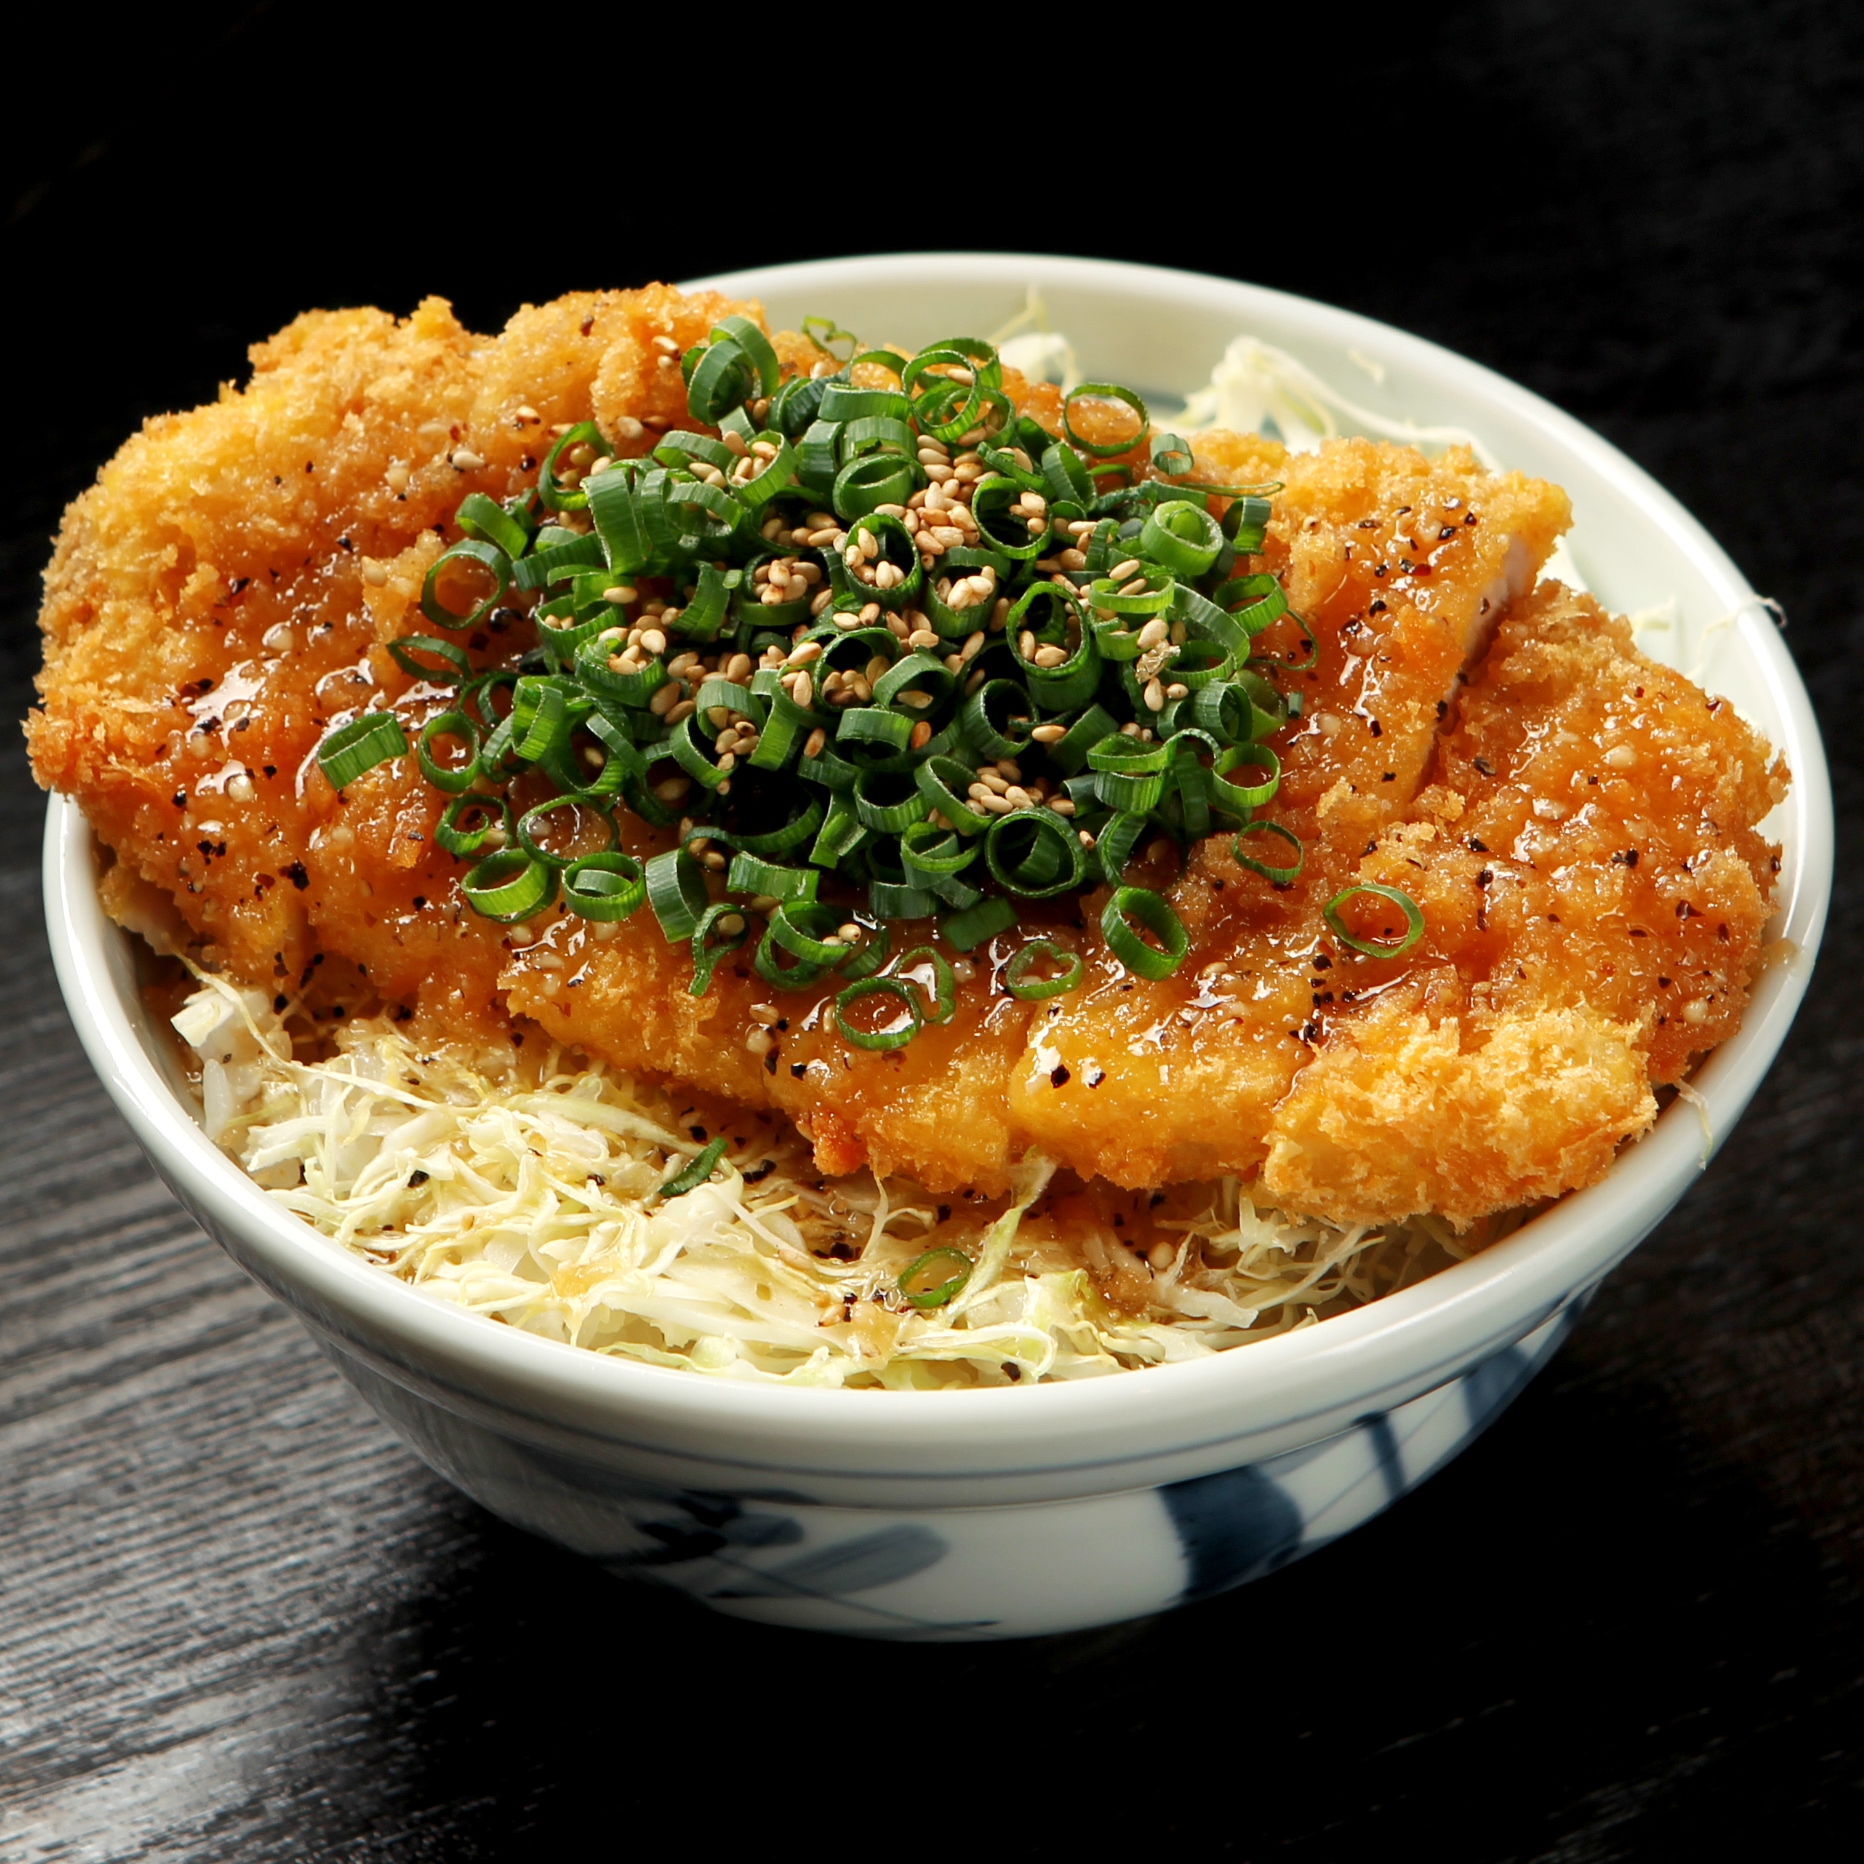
(759, 1041)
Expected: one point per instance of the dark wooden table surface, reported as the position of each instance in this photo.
(238, 1620)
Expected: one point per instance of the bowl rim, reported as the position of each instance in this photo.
(1439, 1324)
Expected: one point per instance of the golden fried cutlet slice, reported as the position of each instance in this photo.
(1595, 892)
(1400, 566)
(227, 589)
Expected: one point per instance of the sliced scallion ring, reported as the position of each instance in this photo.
(454, 665)
(1018, 982)
(1182, 536)
(1239, 798)
(1277, 876)
(604, 886)
(676, 892)
(451, 779)
(533, 820)
(459, 835)
(751, 873)
(942, 998)
(352, 749)
(931, 1280)
(1104, 391)
(1376, 948)
(552, 493)
(879, 1041)
(720, 932)
(509, 886)
(1152, 912)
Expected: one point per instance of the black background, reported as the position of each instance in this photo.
(240, 1621)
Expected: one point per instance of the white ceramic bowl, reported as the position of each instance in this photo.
(1007, 1512)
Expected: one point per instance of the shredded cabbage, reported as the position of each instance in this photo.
(530, 1193)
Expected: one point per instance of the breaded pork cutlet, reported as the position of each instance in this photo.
(229, 589)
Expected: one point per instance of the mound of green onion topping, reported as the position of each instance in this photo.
(858, 706)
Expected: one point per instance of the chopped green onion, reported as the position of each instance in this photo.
(449, 778)
(896, 1035)
(752, 874)
(1018, 982)
(370, 738)
(1153, 913)
(509, 886)
(553, 494)
(469, 842)
(1376, 948)
(696, 1172)
(966, 930)
(604, 886)
(479, 560)
(1279, 876)
(921, 1292)
(942, 998)
(579, 806)
(1183, 536)
(454, 668)
(676, 892)
(732, 928)
(1104, 391)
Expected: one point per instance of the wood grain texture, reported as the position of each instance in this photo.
(238, 1620)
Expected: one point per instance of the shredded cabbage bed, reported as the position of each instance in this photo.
(530, 1193)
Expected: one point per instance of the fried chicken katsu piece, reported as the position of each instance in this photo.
(1400, 567)
(228, 590)
(1118, 1080)
(1595, 891)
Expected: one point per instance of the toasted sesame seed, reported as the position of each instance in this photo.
(1062, 805)
(628, 428)
(666, 346)
(816, 743)
(801, 656)
(921, 736)
(671, 789)
(759, 1041)
(1049, 734)
(1049, 656)
(1154, 633)
(654, 642)
(466, 460)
